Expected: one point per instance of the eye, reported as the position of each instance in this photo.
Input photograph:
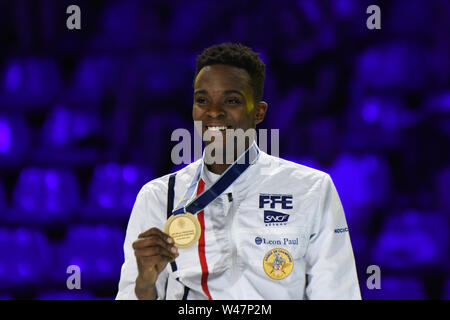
(200, 100)
(233, 101)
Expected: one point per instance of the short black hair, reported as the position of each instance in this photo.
(237, 55)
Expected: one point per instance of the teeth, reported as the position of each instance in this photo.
(217, 128)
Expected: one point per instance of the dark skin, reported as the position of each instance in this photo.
(153, 250)
(222, 97)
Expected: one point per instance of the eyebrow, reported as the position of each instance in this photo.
(227, 92)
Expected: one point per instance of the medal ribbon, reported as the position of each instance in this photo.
(230, 175)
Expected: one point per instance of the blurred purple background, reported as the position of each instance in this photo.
(86, 118)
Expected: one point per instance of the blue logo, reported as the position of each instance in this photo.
(282, 201)
(275, 218)
(342, 230)
(277, 242)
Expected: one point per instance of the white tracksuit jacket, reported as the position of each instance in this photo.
(275, 203)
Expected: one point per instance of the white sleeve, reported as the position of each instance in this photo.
(142, 218)
(330, 264)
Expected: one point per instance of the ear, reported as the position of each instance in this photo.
(260, 112)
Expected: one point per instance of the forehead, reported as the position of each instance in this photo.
(219, 76)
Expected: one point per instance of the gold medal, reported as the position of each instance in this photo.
(184, 229)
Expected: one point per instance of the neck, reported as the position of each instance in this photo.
(219, 168)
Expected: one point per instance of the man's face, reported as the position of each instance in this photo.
(223, 99)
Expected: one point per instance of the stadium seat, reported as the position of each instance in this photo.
(344, 9)
(25, 259)
(64, 127)
(96, 249)
(412, 240)
(94, 76)
(23, 85)
(387, 67)
(326, 130)
(154, 135)
(438, 103)
(113, 190)
(14, 138)
(377, 122)
(114, 35)
(45, 195)
(160, 74)
(395, 288)
(363, 183)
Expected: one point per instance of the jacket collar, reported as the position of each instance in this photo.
(244, 181)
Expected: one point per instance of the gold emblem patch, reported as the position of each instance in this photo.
(278, 263)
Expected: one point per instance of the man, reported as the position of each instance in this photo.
(267, 228)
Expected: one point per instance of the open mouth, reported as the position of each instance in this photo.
(218, 128)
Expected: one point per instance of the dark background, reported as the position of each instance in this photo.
(86, 118)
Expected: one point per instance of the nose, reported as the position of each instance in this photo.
(215, 110)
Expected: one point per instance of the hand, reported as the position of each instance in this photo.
(153, 250)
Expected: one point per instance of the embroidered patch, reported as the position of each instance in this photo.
(278, 263)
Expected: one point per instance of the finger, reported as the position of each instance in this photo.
(156, 250)
(154, 261)
(156, 231)
(150, 241)
(151, 231)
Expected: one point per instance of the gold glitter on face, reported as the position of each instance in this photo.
(248, 100)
